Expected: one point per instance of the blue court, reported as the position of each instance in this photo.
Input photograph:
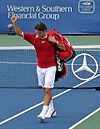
(20, 103)
(19, 107)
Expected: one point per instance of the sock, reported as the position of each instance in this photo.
(44, 110)
(51, 106)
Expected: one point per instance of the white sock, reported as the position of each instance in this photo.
(44, 110)
(51, 106)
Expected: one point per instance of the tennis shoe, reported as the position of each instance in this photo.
(41, 117)
(50, 113)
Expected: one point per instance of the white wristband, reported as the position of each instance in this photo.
(57, 42)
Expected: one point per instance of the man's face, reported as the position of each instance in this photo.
(41, 34)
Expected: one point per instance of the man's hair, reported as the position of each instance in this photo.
(40, 26)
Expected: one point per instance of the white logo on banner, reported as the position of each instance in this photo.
(86, 6)
(41, 12)
(84, 66)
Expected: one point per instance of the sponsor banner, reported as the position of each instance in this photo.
(85, 67)
(66, 16)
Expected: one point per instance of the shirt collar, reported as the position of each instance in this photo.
(42, 38)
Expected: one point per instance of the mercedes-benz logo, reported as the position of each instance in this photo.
(84, 66)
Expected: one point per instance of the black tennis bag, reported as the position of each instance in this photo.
(62, 56)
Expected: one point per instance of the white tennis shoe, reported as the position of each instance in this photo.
(41, 117)
(50, 113)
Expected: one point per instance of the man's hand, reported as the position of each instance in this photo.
(16, 27)
(52, 39)
(60, 45)
(14, 19)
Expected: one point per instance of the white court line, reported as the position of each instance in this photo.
(91, 114)
(32, 47)
(87, 46)
(8, 62)
(2, 122)
(17, 48)
(31, 63)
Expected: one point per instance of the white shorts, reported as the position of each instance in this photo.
(46, 76)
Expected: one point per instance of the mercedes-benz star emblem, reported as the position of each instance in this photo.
(84, 66)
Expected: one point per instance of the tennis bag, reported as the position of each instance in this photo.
(61, 56)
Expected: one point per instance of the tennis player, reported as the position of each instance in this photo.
(46, 67)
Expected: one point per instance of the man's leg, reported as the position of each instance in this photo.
(51, 111)
(48, 96)
(51, 79)
(47, 99)
(47, 84)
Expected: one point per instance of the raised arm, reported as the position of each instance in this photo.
(16, 27)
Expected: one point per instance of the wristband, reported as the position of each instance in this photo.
(57, 42)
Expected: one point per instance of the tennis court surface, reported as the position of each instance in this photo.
(76, 108)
